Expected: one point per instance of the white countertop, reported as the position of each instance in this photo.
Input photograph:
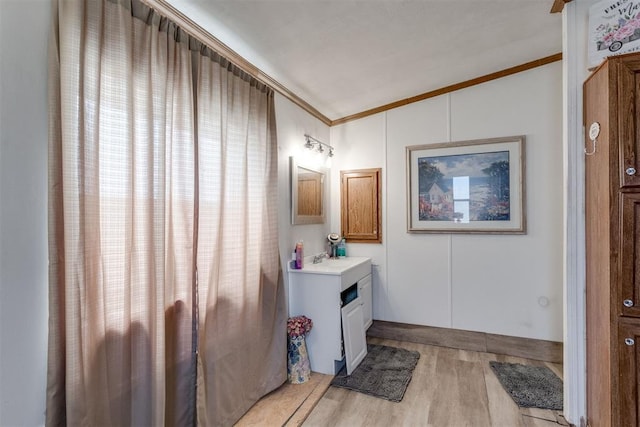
(333, 266)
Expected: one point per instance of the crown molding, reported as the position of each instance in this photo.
(558, 5)
(451, 88)
(189, 26)
(165, 9)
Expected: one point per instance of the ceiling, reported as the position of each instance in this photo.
(347, 56)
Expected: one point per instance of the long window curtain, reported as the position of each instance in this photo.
(242, 314)
(157, 147)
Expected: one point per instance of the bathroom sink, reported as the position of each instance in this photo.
(341, 262)
(333, 265)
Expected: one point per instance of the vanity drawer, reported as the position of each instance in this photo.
(355, 273)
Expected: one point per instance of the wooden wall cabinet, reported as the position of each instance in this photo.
(629, 355)
(361, 209)
(612, 219)
(629, 256)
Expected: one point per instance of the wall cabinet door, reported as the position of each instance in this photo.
(628, 303)
(626, 73)
(365, 292)
(629, 378)
(355, 340)
(361, 210)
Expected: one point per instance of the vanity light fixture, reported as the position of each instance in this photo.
(313, 143)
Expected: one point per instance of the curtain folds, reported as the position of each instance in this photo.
(241, 308)
(162, 187)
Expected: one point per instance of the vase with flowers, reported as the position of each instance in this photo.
(298, 366)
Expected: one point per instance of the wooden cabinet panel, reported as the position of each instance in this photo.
(612, 220)
(629, 379)
(598, 222)
(628, 298)
(361, 196)
(310, 194)
(627, 78)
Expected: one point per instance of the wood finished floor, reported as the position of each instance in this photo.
(449, 388)
(289, 405)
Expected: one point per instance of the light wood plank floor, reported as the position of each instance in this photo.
(289, 405)
(449, 388)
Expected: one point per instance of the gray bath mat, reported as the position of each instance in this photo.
(385, 372)
(530, 386)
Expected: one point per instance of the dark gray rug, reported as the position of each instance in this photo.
(530, 386)
(385, 372)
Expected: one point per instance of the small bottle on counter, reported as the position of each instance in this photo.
(342, 249)
(299, 255)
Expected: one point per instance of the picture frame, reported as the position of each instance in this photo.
(614, 29)
(474, 186)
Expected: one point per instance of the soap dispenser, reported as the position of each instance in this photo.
(342, 249)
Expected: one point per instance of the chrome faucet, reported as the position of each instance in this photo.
(317, 259)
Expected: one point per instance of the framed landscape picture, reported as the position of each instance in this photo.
(467, 186)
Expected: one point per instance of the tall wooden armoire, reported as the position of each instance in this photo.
(612, 162)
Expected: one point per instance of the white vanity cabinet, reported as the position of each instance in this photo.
(315, 291)
(366, 293)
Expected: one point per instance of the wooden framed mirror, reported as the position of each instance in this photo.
(307, 194)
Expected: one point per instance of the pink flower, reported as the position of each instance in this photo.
(298, 326)
(634, 23)
(624, 32)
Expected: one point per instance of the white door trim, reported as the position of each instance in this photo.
(574, 235)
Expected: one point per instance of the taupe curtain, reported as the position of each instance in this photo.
(157, 147)
(242, 314)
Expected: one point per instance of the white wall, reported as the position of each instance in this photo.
(376, 141)
(24, 29)
(361, 145)
(488, 283)
(293, 123)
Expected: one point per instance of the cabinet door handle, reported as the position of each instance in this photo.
(629, 341)
(631, 171)
(627, 303)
